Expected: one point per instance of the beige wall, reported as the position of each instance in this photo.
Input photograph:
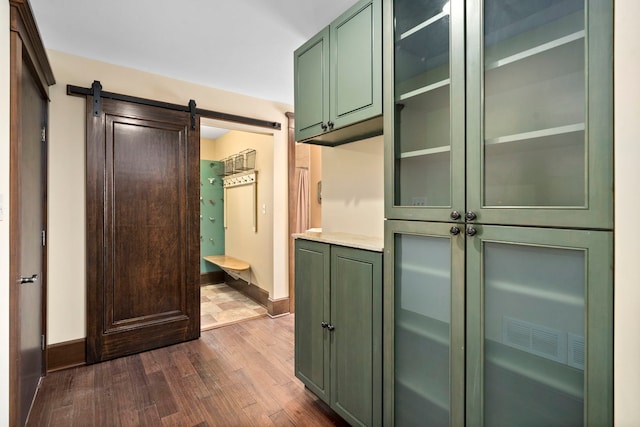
(66, 320)
(240, 241)
(627, 206)
(207, 149)
(4, 223)
(352, 188)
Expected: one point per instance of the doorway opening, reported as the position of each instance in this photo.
(235, 221)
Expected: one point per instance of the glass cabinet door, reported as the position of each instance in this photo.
(539, 326)
(424, 104)
(424, 325)
(539, 112)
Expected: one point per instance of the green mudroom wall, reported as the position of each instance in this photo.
(211, 213)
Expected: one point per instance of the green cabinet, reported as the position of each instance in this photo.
(338, 328)
(498, 286)
(338, 79)
(537, 339)
(500, 108)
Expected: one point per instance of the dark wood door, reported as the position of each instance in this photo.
(142, 229)
(30, 174)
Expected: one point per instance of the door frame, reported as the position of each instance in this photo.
(26, 50)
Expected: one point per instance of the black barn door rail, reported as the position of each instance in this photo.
(96, 91)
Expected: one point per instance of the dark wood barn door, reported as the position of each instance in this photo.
(142, 229)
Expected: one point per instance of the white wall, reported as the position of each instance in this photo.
(4, 223)
(66, 320)
(353, 188)
(627, 206)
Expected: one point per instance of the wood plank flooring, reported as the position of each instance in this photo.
(237, 375)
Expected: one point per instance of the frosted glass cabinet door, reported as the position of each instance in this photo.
(539, 327)
(424, 321)
(539, 112)
(424, 105)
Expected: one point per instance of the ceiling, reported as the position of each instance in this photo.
(243, 46)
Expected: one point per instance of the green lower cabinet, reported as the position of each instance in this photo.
(537, 345)
(423, 324)
(338, 328)
(539, 327)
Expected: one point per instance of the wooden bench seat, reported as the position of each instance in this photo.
(227, 262)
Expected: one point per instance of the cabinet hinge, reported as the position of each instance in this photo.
(44, 238)
(44, 134)
(42, 342)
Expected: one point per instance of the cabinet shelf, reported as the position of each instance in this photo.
(439, 401)
(536, 134)
(424, 89)
(545, 47)
(431, 329)
(424, 24)
(541, 294)
(425, 152)
(551, 374)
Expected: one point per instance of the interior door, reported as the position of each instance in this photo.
(30, 174)
(142, 229)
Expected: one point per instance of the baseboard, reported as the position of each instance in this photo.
(66, 355)
(254, 292)
(278, 307)
(274, 307)
(211, 277)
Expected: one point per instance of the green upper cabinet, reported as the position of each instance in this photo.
(539, 129)
(338, 79)
(520, 89)
(425, 105)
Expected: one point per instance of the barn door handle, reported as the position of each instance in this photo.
(31, 279)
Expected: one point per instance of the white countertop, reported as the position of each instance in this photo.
(357, 241)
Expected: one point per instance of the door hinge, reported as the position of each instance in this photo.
(44, 134)
(44, 238)
(42, 342)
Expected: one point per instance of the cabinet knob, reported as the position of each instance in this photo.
(471, 215)
(454, 231)
(471, 231)
(330, 124)
(330, 327)
(323, 126)
(324, 324)
(455, 215)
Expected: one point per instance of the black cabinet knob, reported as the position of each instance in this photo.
(330, 124)
(454, 230)
(323, 126)
(324, 324)
(330, 327)
(471, 231)
(471, 215)
(455, 215)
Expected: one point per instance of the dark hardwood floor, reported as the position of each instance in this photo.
(237, 375)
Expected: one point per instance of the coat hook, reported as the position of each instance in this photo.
(212, 202)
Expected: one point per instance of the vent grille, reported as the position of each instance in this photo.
(535, 339)
(576, 351)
